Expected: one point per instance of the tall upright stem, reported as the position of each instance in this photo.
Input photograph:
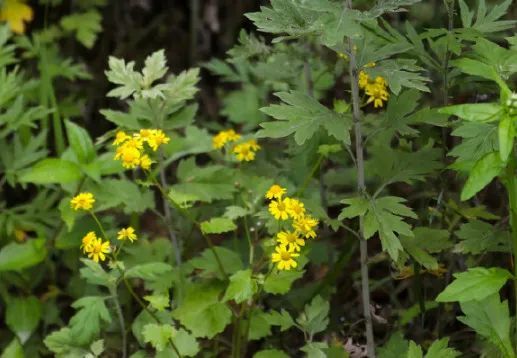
(361, 187)
(122, 322)
(512, 202)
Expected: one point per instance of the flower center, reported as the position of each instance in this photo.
(285, 256)
(291, 238)
(281, 206)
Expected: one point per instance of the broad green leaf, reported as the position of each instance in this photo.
(478, 237)
(396, 347)
(282, 319)
(155, 68)
(125, 76)
(490, 318)
(158, 335)
(207, 262)
(315, 349)
(414, 351)
(94, 274)
(483, 172)
(260, 326)
(51, 171)
(475, 112)
(440, 349)
(234, 212)
(506, 137)
(242, 287)
(13, 350)
(158, 301)
(63, 344)
(22, 316)
(16, 257)
(185, 343)
(201, 310)
(314, 317)
(218, 225)
(280, 282)
(80, 142)
(474, 284)
(97, 347)
(86, 323)
(423, 258)
(149, 271)
(303, 115)
(86, 26)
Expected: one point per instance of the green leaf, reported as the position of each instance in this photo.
(242, 106)
(396, 347)
(149, 271)
(158, 335)
(125, 76)
(123, 193)
(86, 26)
(242, 287)
(85, 324)
(185, 343)
(51, 171)
(218, 226)
(483, 172)
(486, 22)
(440, 349)
(423, 258)
(182, 87)
(94, 274)
(97, 347)
(158, 301)
(506, 137)
(478, 237)
(22, 316)
(490, 318)
(414, 351)
(80, 142)
(282, 319)
(303, 115)
(476, 112)
(314, 317)
(260, 326)
(155, 68)
(209, 266)
(201, 310)
(16, 257)
(270, 353)
(234, 212)
(383, 215)
(474, 284)
(280, 282)
(63, 344)
(13, 350)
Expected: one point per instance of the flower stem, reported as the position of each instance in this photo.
(361, 188)
(121, 320)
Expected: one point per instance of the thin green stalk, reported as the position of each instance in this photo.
(186, 214)
(98, 224)
(512, 199)
(144, 307)
(361, 189)
(250, 243)
(309, 176)
(122, 322)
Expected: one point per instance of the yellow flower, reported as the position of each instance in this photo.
(246, 151)
(363, 79)
(377, 94)
(295, 208)
(127, 233)
(278, 208)
(305, 226)
(82, 201)
(16, 13)
(120, 138)
(129, 155)
(145, 162)
(290, 239)
(87, 241)
(98, 249)
(157, 138)
(223, 137)
(284, 258)
(276, 192)
(243, 152)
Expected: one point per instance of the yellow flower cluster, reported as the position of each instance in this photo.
(16, 13)
(131, 150)
(92, 245)
(244, 152)
(303, 227)
(95, 247)
(376, 89)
